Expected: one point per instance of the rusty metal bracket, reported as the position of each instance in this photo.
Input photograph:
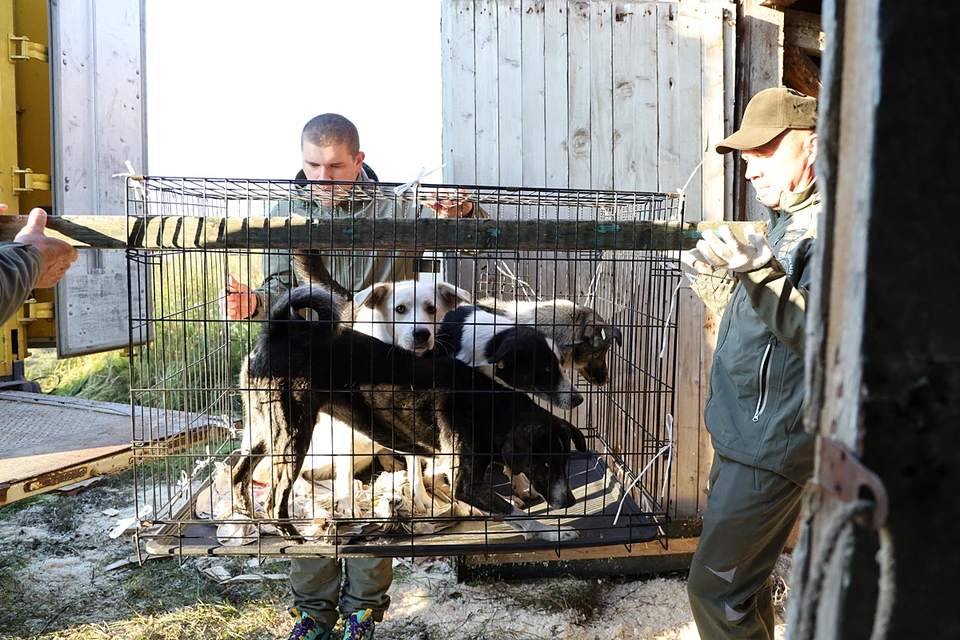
(841, 474)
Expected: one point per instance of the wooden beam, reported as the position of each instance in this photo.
(777, 4)
(678, 547)
(886, 380)
(800, 72)
(802, 29)
(759, 67)
(187, 232)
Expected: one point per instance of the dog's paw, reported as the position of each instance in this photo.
(290, 532)
(516, 501)
(344, 508)
(419, 505)
(554, 534)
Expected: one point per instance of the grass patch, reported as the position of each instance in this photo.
(194, 356)
(210, 621)
(101, 376)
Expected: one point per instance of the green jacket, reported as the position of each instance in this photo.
(352, 269)
(754, 407)
(20, 268)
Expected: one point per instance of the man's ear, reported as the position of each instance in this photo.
(811, 147)
(360, 157)
(373, 296)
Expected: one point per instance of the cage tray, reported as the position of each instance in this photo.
(598, 491)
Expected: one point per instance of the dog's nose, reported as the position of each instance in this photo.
(421, 336)
(564, 499)
(576, 400)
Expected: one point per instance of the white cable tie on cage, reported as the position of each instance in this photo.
(403, 188)
(123, 525)
(183, 480)
(666, 476)
(130, 173)
(673, 305)
(667, 448)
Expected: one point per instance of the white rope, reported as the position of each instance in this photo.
(667, 448)
(673, 303)
(517, 281)
(809, 608)
(683, 189)
(594, 282)
(407, 186)
(887, 586)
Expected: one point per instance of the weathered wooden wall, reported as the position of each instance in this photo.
(884, 352)
(602, 95)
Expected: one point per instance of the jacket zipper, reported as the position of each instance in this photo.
(764, 382)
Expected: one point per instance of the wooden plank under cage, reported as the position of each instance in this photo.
(194, 232)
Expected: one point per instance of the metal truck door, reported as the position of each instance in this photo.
(99, 123)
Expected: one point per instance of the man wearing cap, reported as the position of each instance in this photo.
(753, 410)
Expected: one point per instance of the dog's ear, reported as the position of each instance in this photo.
(579, 440)
(373, 295)
(453, 296)
(592, 335)
(506, 348)
(516, 452)
(573, 434)
(600, 334)
(616, 335)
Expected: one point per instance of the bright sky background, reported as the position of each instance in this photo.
(230, 83)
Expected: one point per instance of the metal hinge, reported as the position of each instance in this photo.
(20, 48)
(31, 181)
(841, 474)
(37, 311)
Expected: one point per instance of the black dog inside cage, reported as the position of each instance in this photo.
(400, 384)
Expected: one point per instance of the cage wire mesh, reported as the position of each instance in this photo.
(373, 479)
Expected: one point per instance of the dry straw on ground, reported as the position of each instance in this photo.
(62, 576)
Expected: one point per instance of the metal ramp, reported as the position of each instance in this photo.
(48, 442)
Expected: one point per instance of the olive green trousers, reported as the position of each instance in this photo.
(750, 513)
(317, 590)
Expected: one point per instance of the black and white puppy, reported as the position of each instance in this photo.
(425, 406)
(516, 355)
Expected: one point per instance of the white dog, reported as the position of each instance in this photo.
(403, 313)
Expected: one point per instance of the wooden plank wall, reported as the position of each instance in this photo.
(602, 95)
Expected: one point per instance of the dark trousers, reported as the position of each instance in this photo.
(750, 513)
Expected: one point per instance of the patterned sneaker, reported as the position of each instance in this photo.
(306, 628)
(359, 626)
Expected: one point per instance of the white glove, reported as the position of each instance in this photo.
(725, 251)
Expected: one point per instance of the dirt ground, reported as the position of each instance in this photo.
(63, 576)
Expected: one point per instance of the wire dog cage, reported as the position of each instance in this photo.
(592, 273)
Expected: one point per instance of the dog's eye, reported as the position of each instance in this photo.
(401, 309)
(432, 310)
